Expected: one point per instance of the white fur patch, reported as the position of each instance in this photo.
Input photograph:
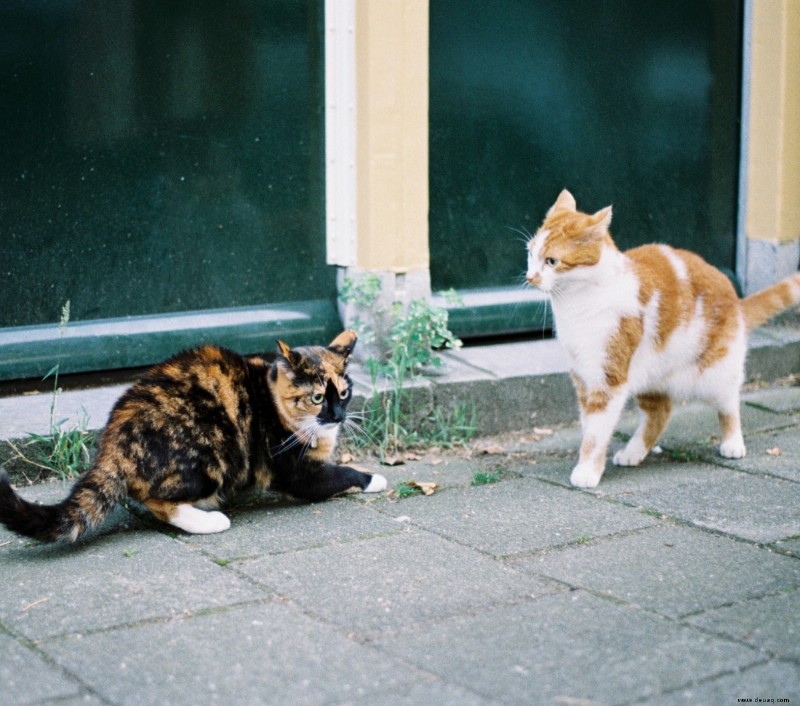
(681, 271)
(376, 485)
(195, 521)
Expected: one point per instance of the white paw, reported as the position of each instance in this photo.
(376, 485)
(632, 455)
(195, 521)
(585, 475)
(732, 448)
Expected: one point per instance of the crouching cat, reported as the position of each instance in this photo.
(202, 426)
(653, 322)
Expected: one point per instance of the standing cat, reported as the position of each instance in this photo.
(202, 426)
(653, 322)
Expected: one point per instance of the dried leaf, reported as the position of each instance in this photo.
(411, 456)
(775, 451)
(426, 488)
(540, 431)
(346, 458)
(392, 461)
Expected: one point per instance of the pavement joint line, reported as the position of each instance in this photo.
(699, 682)
(411, 628)
(593, 541)
(34, 646)
(156, 620)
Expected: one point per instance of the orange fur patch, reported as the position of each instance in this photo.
(621, 347)
(657, 408)
(762, 306)
(677, 298)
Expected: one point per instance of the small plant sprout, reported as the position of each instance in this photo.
(416, 333)
(64, 451)
(485, 477)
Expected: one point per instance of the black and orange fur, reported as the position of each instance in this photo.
(202, 426)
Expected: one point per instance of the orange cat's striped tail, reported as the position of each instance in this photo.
(92, 498)
(762, 306)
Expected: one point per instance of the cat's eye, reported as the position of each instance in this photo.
(550, 261)
(317, 398)
(344, 394)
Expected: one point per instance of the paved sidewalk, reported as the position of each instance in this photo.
(677, 582)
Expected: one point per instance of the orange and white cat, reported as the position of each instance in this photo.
(653, 322)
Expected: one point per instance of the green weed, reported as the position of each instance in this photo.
(65, 451)
(406, 490)
(485, 477)
(411, 346)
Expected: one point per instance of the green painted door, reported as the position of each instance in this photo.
(162, 169)
(624, 102)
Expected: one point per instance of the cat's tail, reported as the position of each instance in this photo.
(762, 306)
(90, 501)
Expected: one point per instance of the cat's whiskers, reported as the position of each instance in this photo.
(523, 231)
(352, 428)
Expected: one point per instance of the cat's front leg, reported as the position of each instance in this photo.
(600, 410)
(330, 480)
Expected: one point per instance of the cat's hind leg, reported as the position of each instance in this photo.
(730, 422)
(189, 518)
(655, 410)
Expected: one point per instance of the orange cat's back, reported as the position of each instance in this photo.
(686, 286)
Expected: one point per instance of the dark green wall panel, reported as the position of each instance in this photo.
(160, 157)
(629, 103)
(32, 351)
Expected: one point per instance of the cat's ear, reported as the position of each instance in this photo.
(601, 221)
(564, 202)
(344, 343)
(598, 226)
(292, 357)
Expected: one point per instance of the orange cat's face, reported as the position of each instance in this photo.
(566, 242)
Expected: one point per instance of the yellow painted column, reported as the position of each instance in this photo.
(772, 164)
(392, 134)
(377, 148)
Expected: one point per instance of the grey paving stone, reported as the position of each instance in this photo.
(770, 623)
(775, 680)
(782, 400)
(267, 528)
(27, 678)
(118, 579)
(789, 545)
(760, 509)
(432, 691)
(391, 582)
(262, 654)
(568, 647)
(517, 516)
(671, 570)
(782, 461)
(442, 469)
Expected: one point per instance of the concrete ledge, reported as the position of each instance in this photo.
(512, 385)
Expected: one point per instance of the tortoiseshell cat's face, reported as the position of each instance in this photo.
(311, 390)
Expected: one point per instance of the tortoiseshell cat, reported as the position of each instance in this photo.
(653, 322)
(202, 426)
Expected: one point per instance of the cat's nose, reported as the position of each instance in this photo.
(535, 280)
(337, 413)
